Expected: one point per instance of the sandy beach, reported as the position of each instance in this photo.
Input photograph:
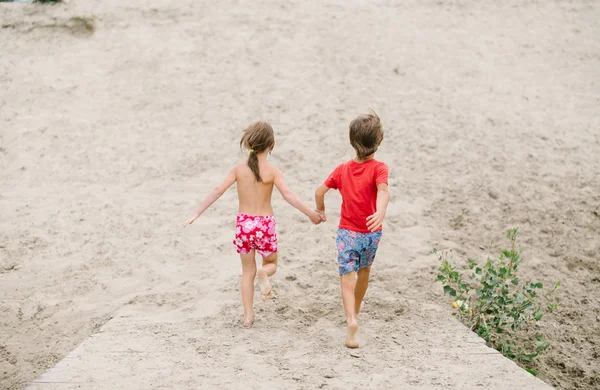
(116, 118)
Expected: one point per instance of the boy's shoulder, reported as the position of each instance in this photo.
(372, 163)
(380, 163)
(351, 163)
(344, 164)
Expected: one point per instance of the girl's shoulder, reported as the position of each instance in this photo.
(240, 166)
(270, 167)
(269, 172)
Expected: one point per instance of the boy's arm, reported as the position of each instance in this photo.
(294, 200)
(383, 197)
(320, 200)
(213, 196)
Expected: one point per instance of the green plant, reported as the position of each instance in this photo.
(494, 302)
(47, 1)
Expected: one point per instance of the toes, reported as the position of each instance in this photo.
(266, 296)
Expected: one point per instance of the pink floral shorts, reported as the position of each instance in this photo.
(255, 233)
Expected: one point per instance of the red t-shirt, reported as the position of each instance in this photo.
(357, 182)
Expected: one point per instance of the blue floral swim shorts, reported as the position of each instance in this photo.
(356, 250)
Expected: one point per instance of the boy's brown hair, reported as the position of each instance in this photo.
(366, 134)
(257, 138)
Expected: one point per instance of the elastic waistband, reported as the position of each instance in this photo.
(368, 233)
(256, 216)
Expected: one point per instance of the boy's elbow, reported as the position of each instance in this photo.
(320, 192)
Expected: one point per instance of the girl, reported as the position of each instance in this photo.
(255, 223)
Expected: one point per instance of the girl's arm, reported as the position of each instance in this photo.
(320, 200)
(213, 196)
(383, 197)
(293, 199)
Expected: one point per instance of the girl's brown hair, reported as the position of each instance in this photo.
(257, 138)
(366, 133)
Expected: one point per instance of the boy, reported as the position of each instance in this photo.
(363, 184)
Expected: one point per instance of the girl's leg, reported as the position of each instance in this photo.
(362, 282)
(248, 275)
(269, 267)
(348, 284)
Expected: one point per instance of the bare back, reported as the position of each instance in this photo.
(255, 197)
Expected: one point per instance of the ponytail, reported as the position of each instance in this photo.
(257, 138)
(253, 164)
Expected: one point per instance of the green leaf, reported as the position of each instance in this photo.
(515, 281)
(539, 285)
(441, 278)
(526, 357)
(557, 283)
(472, 263)
(532, 372)
(506, 253)
(542, 345)
(538, 315)
(478, 271)
(552, 306)
(449, 290)
(502, 271)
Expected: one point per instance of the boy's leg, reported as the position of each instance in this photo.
(348, 284)
(269, 267)
(248, 275)
(362, 283)
(369, 243)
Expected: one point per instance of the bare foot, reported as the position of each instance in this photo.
(351, 340)
(248, 320)
(264, 284)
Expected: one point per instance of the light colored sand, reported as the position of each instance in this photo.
(108, 140)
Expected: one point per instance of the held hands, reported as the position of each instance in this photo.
(323, 215)
(316, 217)
(374, 221)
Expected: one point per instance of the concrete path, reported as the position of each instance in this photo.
(140, 349)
